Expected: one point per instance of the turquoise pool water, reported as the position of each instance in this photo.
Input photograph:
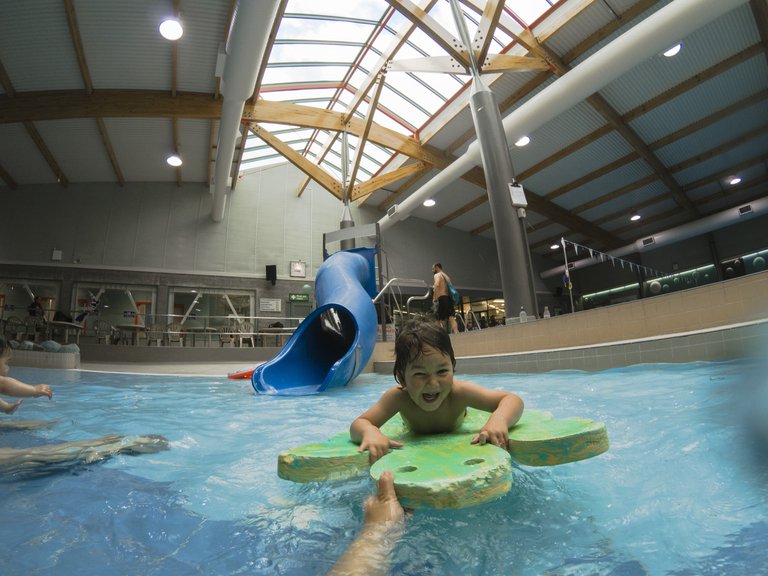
(683, 490)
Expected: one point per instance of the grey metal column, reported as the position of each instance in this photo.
(515, 267)
(346, 215)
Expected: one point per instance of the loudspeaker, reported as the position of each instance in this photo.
(272, 273)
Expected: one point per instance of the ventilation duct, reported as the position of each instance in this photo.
(251, 24)
(682, 232)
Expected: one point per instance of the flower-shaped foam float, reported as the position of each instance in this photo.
(445, 470)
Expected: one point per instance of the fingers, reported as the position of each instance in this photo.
(387, 486)
(485, 437)
(394, 444)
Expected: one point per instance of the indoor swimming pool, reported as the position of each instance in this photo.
(683, 490)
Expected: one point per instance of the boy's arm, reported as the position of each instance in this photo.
(365, 429)
(505, 407)
(12, 387)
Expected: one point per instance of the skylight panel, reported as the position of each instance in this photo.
(362, 9)
(422, 92)
(298, 75)
(314, 51)
(309, 93)
(299, 26)
(529, 10)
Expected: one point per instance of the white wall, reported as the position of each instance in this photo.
(165, 227)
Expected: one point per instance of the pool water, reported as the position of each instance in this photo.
(683, 490)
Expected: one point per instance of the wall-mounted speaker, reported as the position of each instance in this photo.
(272, 273)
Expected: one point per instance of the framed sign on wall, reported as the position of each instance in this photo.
(298, 269)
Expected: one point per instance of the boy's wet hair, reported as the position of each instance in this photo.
(413, 338)
(4, 347)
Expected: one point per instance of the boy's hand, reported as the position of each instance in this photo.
(43, 390)
(377, 445)
(494, 432)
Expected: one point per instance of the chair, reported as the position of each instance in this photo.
(175, 334)
(245, 333)
(14, 328)
(104, 332)
(155, 334)
(226, 334)
(34, 328)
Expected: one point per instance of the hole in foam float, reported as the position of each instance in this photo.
(474, 461)
(407, 469)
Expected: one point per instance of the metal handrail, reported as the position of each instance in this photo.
(416, 282)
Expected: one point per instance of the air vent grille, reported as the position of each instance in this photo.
(744, 210)
(648, 241)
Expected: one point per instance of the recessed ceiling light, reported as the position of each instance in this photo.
(734, 180)
(171, 29)
(522, 142)
(429, 202)
(174, 160)
(555, 247)
(673, 51)
(635, 217)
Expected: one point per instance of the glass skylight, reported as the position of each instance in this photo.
(325, 52)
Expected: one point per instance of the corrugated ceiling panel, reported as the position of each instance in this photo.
(708, 98)
(755, 149)
(599, 187)
(141, 146)
(204, 26)
(595, 16)
(557, 134)
(642, 200)
(704, 48)
(20, 157)
(36, 48)
(122, 44)
(583, 161)
(727, 128)
(77, 147)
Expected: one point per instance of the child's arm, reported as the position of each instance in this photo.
(8, 407)
(505, 407)
(12, 387)
(365, 429)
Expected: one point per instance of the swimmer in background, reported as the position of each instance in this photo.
(427, 397)
(12, 387)
(16, 460)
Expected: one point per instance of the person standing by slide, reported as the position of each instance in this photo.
(442, 299)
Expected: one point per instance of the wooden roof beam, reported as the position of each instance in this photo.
(309, 168)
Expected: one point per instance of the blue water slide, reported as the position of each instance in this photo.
(333, 344)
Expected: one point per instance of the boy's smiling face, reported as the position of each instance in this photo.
(429, 379)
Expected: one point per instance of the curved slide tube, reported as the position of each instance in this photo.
(333, 344)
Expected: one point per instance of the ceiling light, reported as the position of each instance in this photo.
(171, 29)
(555, 247)
(635, 217)
(673, 51)
(733, 180)
(429, 202)
(522, 142)
(174, 160)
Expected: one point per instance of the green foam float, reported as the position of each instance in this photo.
(445, 470)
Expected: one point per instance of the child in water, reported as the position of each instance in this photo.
(427, 397)
(12, 387)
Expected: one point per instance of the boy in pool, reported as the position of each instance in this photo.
(427, 397)
(12, 387)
